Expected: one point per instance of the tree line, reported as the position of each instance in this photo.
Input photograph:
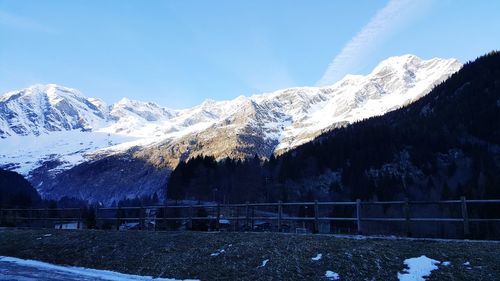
(445, 145)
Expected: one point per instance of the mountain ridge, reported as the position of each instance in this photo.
(441, 147)
(264, 124)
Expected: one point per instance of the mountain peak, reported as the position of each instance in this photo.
(40, 109)
(403, 61)
(52, 91)
(123, 101)
(406, 70)
(127, 102)
(266, 123)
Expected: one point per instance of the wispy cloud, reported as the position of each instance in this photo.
(385, 22)
(18, 22)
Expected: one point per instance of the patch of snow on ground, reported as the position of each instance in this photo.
(217, 253)
(76, 273)
(418, 268)
(317, 257)
(392, 237)
(332, 275)
(264, 262)
(466, 263)
(445, 263)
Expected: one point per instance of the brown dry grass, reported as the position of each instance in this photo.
(188, 254)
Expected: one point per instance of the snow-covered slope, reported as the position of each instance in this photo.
(42, 109)
(395, 82)
(44, 123)
(278, 121)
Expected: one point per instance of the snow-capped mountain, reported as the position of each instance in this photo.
(48, 129)
(41, 109)
(275, 122)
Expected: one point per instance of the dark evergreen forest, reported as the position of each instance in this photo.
(16, 191)
(445, 145)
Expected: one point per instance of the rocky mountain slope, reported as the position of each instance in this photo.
(48, 131)
(441, 147)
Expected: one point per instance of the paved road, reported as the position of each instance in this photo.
(29, 270)
(12, 271)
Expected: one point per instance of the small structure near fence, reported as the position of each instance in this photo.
(69, 225)
(448, 219)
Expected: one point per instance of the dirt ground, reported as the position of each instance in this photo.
(239, 256)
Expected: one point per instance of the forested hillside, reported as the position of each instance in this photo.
(445, 145)
(15, 191)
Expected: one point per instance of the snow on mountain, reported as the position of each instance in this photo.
(47, 122)
(394, 83)
(294, 116)
(41, 109)
(25, 153)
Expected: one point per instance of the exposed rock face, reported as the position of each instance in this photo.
(107, 180)
(41, 109)
(66, 137)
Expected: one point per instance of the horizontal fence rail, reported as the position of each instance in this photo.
(316, 217)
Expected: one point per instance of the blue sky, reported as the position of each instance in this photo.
(179, 53)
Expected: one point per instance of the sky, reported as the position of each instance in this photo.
(179, 53)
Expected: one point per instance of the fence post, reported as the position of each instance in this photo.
(246, 214)
(190, 222)
(253, 217)
(97, 216)
(118, 214)
(316, 214)
(34, 216)
(79, 218)
(280, 214)
(407, 217)
(28, 215)
(60, 217)
(465, 217)
(358, 215)
(237, 225)
(141, 219)
(217, 220)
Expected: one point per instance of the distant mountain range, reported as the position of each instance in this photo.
(67, 144)
(441, 147)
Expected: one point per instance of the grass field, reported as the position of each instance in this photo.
(239, 256)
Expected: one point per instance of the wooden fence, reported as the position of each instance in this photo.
(299, 216)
